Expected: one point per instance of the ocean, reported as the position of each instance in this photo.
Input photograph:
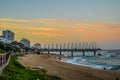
(106, 59)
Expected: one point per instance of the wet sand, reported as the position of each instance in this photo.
(65, 70)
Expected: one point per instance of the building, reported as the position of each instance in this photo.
(9, 35)
(4, 40)
(26, 42)
(37, 45)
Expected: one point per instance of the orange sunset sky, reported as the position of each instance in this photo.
(65, 22)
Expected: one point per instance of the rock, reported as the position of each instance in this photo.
(99, 54)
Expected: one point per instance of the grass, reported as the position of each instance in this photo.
(2, 51)
(16, 71)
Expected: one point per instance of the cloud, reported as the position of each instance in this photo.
(17, 20)
(61, 29)
(47, 20)
(47, 34)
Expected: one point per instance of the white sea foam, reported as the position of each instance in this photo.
(109, 61)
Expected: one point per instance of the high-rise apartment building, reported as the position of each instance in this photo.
(9, 35)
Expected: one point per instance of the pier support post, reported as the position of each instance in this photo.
(71, 53)
(83, 53)
(60, 56)
(48, 52)
(40, 52)
(94, 53)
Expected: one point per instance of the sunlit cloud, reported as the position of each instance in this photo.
(17, 20)
(47, 20)
(61, 30)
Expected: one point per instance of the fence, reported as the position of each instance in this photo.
(4, 58)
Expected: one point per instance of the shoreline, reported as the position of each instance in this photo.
(112, 67)
(65, 70)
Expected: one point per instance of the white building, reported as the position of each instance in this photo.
(26, 42)
(4, 40)
(9, 35)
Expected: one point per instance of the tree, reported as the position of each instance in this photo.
(2, 45)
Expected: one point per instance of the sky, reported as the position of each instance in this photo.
(63, 21)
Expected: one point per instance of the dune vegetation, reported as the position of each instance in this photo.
(15, 71)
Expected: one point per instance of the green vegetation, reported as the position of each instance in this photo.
(2, 51)
(15, 71)
(14, 47)
(8, 47)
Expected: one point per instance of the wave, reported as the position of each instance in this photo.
(107, 61)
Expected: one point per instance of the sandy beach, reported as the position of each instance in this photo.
(65, 70)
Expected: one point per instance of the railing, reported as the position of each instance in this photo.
(4, 60)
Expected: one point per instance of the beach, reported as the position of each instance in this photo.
(64, 70)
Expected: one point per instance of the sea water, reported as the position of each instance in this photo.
(109, 60)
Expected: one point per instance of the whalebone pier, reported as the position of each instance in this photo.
(73, 47)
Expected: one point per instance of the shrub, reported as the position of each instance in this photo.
(2, 51)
